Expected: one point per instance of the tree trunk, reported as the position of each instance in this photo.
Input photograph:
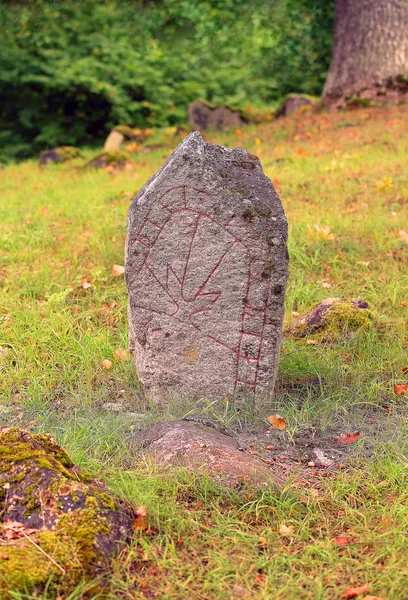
(370, 50)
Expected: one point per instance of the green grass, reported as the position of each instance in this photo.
(60, 225)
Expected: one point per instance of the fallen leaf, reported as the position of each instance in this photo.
(107, 364)
(277, 422)
(341, 540)
(372, 598)
(320, 233)
(352, 592)
(403, 303)
(286, 530)
(403, 235)
(86, 234)
(384, 184)
(348, 438)
(118, 270)
(401, 389)
(85, 284)
(140, 521)
(121, 354)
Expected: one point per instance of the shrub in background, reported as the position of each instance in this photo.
(71, 70)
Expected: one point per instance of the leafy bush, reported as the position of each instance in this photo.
(72, 70)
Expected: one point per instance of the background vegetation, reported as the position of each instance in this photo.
(72, 70)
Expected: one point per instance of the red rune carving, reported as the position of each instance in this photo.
(185, 305)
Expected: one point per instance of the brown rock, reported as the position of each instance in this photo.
(181, 443)
(206, 270)
(203, 116)
(292, 103)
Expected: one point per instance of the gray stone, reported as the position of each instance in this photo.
(206, 267)
(203, 116)
(180, 443)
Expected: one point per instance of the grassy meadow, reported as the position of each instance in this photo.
(343, 180)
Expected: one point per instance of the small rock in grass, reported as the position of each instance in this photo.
(59, 155)
(331, 318)
(197, 447)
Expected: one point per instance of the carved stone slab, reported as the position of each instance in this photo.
(206, 270)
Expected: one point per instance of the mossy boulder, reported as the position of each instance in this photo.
(58, 523)
(330, 319)
(116, 160)
(59, 155)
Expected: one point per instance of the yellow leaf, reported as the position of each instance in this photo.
(320, 233)
(384, 184)
(286, 530)
(117, 270)
(121, 354)
(107, 364)
(277, 422)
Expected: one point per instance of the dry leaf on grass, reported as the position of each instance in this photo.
(286, 530)
(401, 389)
(352, 592)
(107, 364)
(277, 422)
(118, 270)
(85, 284)
(341, 540)
(403, 235)
(348, 438)
(319, 232)
(140, 522)
(121, 354)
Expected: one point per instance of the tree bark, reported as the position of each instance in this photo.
(370, 49)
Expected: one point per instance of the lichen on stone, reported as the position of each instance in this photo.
(75, 521)
(330, 319)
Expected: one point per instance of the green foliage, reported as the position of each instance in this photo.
(70, 71)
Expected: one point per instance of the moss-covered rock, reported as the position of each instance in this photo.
(117, 160)
(60, 154)
(331, 318)
(57, 522)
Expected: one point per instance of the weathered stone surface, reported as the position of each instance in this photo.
(113, 141)
(181, 443)
(292, 103)
(203, 116)
(71, 517)
(206, 270)
(331, 317)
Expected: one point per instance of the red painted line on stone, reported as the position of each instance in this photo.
(248, 310)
